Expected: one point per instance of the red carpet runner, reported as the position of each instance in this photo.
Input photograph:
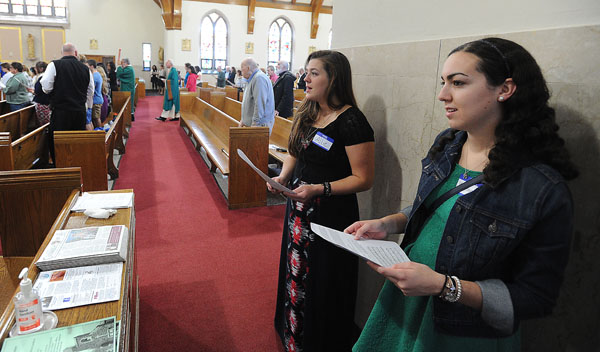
(208, 275)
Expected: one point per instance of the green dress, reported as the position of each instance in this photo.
(172, 85)
(399, 323)
(127, 78)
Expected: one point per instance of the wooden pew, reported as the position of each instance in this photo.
(231, 92)
(299, 94)
(141, 87)
(186, 104)
(218, 134)
(123, 108)
(4, 107)
(125, 309)
(26, 151)
(281, 127)
(118, 99)
(19, 122)
(30, 200)
(280, 136)
(297, 103)
(92, 151)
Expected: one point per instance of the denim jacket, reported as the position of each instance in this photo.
(512, 238)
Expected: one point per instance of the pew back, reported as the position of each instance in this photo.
(280, 137)
(299, 94)
(119, 99)
(87, 150)
(19, 122)
(30, 201)
(26, 151)
(4, 107)
(220, 137)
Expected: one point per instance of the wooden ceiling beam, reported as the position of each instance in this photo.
(314, 25)
(273, 5)
(171, 13)
(251, 17)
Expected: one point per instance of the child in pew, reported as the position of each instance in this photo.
(494, 254)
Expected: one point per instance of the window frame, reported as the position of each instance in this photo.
(213, 69)
(144, 67)
(38, 18)
(289, 23)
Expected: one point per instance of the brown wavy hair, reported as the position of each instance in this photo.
(339, 93)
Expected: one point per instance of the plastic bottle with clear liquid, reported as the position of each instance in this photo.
(28, 306)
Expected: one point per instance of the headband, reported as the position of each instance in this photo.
(504, 60)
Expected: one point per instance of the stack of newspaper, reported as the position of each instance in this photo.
(85, 246)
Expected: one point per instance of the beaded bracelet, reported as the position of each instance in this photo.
(326, 189)
(458, 288)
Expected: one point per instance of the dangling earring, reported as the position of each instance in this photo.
(500, 98)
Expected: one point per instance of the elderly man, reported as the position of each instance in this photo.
(220, 77)
(258, 107)
(71, 87)
(171, 101)
(126, 75)
(283, 91)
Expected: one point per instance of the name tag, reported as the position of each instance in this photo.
(323, 141)
(462, 180)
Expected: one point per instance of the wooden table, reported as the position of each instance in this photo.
(125, 309)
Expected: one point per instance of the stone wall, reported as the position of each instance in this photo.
(396, 86)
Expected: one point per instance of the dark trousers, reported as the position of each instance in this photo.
(65, 120)
(15, 107)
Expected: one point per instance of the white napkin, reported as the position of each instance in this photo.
(100, 213)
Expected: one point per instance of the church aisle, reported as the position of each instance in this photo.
(208, 275)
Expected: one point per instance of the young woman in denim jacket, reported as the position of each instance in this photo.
(494, 255)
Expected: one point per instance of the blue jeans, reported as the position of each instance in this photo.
(15, 107)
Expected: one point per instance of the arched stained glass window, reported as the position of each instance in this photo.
(213, 42)
(280, 42)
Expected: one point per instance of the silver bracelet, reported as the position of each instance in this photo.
(453, 290)
(458, 288)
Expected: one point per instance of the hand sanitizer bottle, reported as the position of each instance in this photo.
(28, 307)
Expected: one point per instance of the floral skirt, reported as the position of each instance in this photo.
(42, 112)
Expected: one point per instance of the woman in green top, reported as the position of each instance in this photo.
(126, 75)
(495, 253)
(16, 92)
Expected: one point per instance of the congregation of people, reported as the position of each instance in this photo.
(71, 93)
(487, 234)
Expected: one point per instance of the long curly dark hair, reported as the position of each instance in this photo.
(339, 93)
(527, 133)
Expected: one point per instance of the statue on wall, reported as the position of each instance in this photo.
(30, 47)
(161, 55)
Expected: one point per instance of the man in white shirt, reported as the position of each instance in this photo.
(71, 87)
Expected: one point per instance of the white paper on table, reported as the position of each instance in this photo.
(383, 253)
(73, 287)
(103, 201)
(278, 186)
